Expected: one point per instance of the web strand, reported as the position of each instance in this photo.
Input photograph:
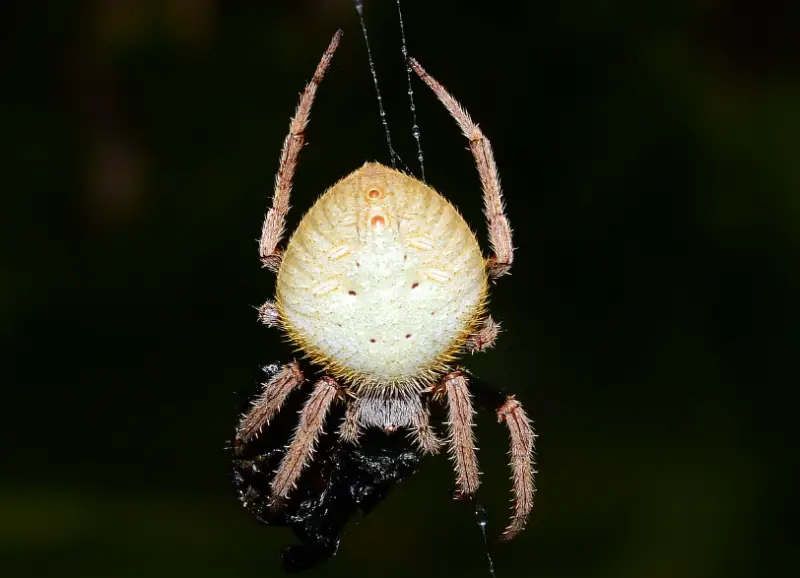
(482, 519)
(359, 4)
(415, 127)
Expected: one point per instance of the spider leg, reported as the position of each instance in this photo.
(461, 438)
(268, 314)
(275, 221)
(484, 337)
(423, 433)
(274, 393)
(312, 419)
(493, 205)
(520, 430)
(522, 440)
(349, 429)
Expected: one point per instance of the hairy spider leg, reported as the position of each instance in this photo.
(350, 429)
(522, 440)
(312, 420)
(268, 314)
(275, 221)
(422, 433)
(485, 337)
(461, 437)
(493, 205)
(268, 404)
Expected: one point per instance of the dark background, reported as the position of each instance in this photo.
(649, 153)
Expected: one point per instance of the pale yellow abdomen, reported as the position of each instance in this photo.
(382, 280)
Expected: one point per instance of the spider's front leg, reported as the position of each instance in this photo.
(312, 420)
(498, 264)
(522, 439)
(275, 221)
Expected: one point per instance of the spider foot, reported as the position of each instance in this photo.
(497, 268)
(272, 261)
(484, 337)
(268, 314)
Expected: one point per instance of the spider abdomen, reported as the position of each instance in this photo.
(382, 281)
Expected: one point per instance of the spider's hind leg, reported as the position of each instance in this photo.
(461, 437)
(275, 221)
(522, 439)
(268, 404)
(312, 421)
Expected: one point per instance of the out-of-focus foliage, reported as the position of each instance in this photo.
(649, 155)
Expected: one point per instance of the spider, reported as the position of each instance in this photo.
(383, 285)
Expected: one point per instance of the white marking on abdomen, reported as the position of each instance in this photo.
(339, 252)
(422, 243)
(437, 275)
(325, 287)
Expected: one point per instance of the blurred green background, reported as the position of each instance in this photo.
(649, 153)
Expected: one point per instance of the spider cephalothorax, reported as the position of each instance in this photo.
(383, 285)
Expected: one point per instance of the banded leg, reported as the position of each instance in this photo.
(493, 205)
(484, 337)
(312, 420)
(461, 438)
(275, 221)
(273, 395)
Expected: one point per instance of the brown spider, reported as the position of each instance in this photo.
(384, 285)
